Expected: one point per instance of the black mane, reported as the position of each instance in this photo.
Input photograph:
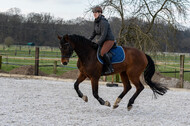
(80, 40)
(83, 46)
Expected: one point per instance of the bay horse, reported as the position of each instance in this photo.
(135, 63)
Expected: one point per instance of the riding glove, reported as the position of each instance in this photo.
(94, 45)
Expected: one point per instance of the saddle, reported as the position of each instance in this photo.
(116, 54)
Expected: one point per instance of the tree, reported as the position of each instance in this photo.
(14, 11)
(8, 41)
(152, 12)
(43, 29)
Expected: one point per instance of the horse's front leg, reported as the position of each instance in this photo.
(81, 78)
(94, 83)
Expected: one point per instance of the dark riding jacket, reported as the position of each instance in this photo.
(102, 30)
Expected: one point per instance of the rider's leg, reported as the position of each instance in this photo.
(104, 53)
(107, 60)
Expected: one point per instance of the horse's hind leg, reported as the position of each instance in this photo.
(139, 87)
(126, 88)
(81, 78)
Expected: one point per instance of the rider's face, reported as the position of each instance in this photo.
(96, 14)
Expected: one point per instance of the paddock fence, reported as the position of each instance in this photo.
(175, 65)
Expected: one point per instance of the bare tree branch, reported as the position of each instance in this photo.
(151, 12)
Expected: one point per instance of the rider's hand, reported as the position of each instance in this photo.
(94, 45)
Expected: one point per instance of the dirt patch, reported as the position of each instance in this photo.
(26, 70)
(29, 70)
(167, 81)
(72, 74)
(1, 71)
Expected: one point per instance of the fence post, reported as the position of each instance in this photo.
(7, 60)
(112, 79)
(175, 73)
(29, 51)
(55, 67)
(0, 61)
(15, 52)
(36, 72)
(104, 78)
(182, 58)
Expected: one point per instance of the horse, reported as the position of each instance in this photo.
(135, 63)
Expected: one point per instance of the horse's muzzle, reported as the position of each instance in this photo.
(64, 61)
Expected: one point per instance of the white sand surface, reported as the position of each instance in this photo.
(30, 102)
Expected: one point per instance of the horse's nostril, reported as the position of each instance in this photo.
(65, 63)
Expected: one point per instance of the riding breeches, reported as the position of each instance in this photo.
(106, 47)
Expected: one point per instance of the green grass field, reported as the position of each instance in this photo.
(164, 63)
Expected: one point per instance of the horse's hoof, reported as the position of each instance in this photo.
(116, 103)
(107, 103)
(85, 98)
(129, 107)
(115, 106)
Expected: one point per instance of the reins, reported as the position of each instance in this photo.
(69, 56)
(73, 55)
(71, 52)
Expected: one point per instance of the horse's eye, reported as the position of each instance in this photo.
(63, 46)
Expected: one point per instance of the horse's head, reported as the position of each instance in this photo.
(66, 49)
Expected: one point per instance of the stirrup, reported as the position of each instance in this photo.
(109, 70)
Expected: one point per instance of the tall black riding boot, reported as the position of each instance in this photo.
(107, 60)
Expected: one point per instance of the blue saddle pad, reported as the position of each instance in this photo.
(118, 55)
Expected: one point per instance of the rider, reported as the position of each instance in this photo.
(105, 38)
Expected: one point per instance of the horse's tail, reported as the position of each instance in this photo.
(157, 88)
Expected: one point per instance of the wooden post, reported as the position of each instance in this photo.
(37, 62)
(182, 58)
(112, 79)
(29, 51)
(7, 60)
(104, 78)
(112, 84)
(0, 61)
(55, 67)
(15, 52)
(175, 73)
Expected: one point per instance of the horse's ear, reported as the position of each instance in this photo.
(59, 37)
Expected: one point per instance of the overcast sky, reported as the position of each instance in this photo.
(66, 9)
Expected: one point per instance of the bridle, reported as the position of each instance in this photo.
(69, 47)
(65, 46)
